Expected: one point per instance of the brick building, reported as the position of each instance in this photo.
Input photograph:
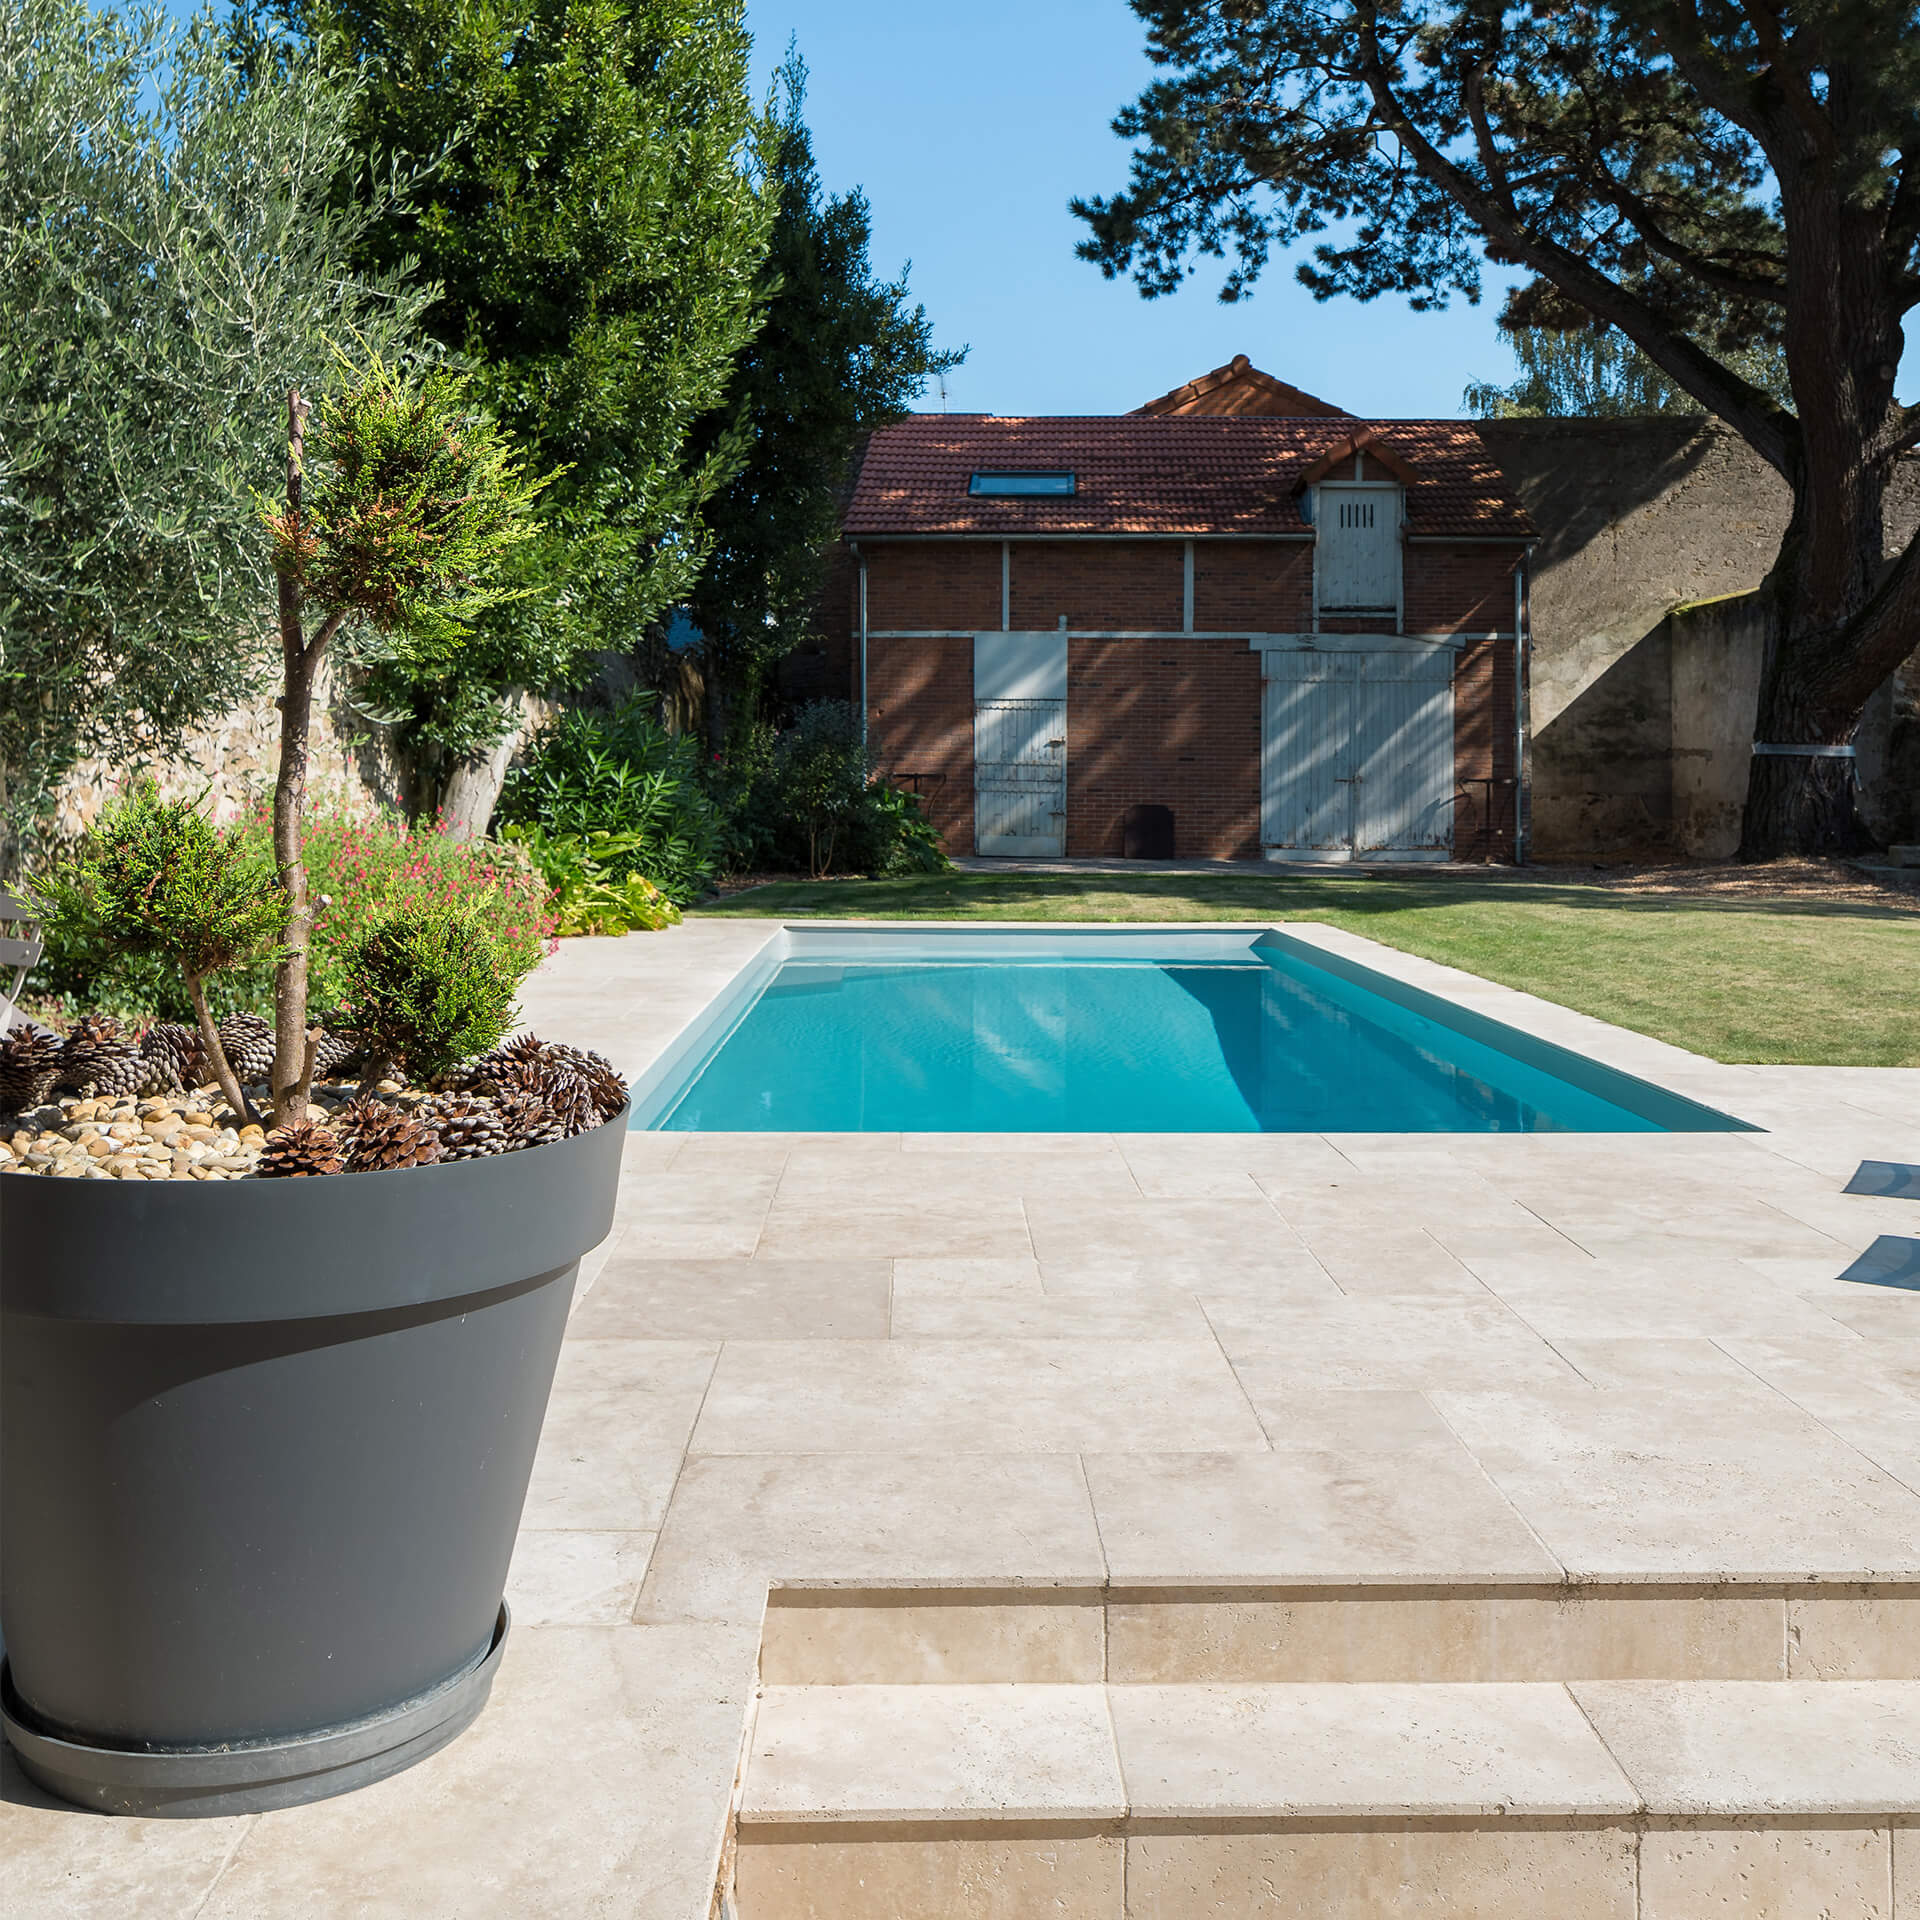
(1296, 633)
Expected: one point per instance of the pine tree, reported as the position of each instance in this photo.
(1714, 178)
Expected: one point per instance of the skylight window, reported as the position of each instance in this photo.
(1020, 485)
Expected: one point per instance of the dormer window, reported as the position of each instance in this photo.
(1022, 484)
(1357, 532)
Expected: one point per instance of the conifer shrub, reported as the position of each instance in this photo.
(429, 986)
(156, 878)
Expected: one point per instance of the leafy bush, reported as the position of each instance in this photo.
(622, 776)
(587, 897)
(817, 808)
(431, 984)
(360, 868)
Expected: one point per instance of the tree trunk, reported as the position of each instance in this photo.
(223, 1072)
(300, 660)
(473, 789)
(1832, 643)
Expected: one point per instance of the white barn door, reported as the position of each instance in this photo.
(1357, 755)
(1020, 744)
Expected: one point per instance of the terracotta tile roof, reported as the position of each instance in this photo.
(1240, 388)
(1162, 473)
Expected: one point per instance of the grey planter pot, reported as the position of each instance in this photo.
(264, 1447)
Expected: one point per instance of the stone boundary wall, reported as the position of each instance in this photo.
(233, 760)
(1637, 518)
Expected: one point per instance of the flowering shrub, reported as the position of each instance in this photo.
(360, 869)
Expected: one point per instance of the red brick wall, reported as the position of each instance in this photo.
(1460, 589)
(933, 585)
(1252, 586)
(1483, 743)
(920, 720)
(1107, 585)
(1175, 723)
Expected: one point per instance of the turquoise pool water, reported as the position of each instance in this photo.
(1260, 1040)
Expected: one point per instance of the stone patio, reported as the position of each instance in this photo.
(1099, 1363)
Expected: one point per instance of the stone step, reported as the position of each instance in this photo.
(1587, 1800)
(1644, 1630)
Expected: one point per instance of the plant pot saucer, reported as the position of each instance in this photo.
(257, 1776)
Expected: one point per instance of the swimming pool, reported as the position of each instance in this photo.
(856, 1031)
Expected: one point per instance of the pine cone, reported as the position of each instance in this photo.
(248, 1043)
(337, 1053)
(603, 1080)
(527, 1121)
(299, 1151)
(579, 1089)
(174, 1058)
(513, 1067)
(383, 1139)
(468, 1125)
(570, 1098)
(29, 1065)
(97, 1059)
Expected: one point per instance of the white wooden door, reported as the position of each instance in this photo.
(1403, 754)
(1357, 755)
(1020, 744)
(1306, 757)
(1357, 540)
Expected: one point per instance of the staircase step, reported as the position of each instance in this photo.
(1629, 1799)
(1623, 1630)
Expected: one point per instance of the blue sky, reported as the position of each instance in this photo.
(970, 129)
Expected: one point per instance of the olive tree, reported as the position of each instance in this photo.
(172, 253)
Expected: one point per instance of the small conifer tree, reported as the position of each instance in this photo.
(416, 500)
(156, 876)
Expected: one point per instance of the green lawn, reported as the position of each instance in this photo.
(1808, 982)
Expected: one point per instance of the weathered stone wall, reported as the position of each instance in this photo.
(233, 762)
(1635, 518)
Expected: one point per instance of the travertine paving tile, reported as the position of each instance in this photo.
(702, 1216)
(1728, 1747)
(1634, 1298)
(889, 1224)
(1303, 1872)
(949, 1753)
(1367, 1342)
(1266, 1275)
(1684, 1362)
(961, 1519)
(1353, 1420)
(1067, 1228)
(1692, 1868)
(922, 1396)
(1178, 1166)
(576, 1578)
(1391, 1260)
(595, 1783)
(767, 1299)
(1493, 1749)
(959, 1278)
(57, 1863)
(1701, 1483)
(1164, 1314)
(1067, 1871)
(1416, 1514)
